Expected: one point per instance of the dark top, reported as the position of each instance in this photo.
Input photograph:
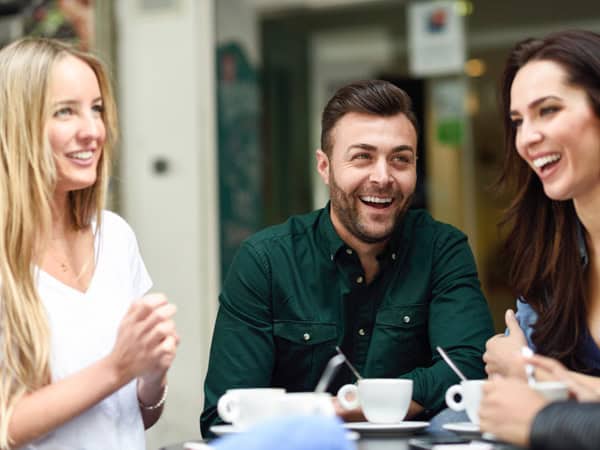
(296, 290)
(566, 425)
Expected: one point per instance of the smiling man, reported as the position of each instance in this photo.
(385, 283)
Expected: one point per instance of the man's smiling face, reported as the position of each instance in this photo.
(371, 174)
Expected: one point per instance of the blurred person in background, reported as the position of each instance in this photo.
(551, 109)
(83, 356)
(385, 283)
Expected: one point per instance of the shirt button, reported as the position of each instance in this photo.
(394, 256)
(362, 332)
(406, 319)
(359, 279)
(349, 251)
(306, 337)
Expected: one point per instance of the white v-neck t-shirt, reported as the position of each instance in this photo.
(83, 329)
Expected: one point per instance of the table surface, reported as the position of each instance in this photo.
(382, 442)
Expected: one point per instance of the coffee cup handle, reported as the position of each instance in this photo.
(451, 402)
(342, 397)
(228, 408)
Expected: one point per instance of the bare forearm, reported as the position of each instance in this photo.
(150, 393)
(40, 412)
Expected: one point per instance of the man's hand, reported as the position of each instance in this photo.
(348, 415)
(503, 353)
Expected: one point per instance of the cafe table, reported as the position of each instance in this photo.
(384, 441)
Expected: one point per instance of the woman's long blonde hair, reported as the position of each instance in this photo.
(27, 183)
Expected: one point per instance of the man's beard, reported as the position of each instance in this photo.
(347, 212)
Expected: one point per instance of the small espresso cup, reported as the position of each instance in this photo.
(383, 400)
(552, 390)
(246, 407)
(470, 397)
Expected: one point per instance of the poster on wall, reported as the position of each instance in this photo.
(436, 38)
(240, 174)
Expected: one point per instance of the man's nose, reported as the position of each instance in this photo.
(381, 172)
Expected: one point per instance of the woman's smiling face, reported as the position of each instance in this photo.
(75, 128)
(556, 130)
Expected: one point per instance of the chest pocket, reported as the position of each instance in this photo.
(302, 351)
(400, 341)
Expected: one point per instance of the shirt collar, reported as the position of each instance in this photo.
(334, 244)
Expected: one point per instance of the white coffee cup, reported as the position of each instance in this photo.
(552, 390)
(246, 407)
(383, 400)
(470, 397)
(470, 392)
(306, 404)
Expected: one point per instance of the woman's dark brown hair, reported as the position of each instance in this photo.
(542, 238)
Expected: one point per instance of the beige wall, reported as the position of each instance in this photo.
(166, 89)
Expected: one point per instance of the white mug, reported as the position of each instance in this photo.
(383, 400)
(470, 397)
(246, 407)
(552, 390)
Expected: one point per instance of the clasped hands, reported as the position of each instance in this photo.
(509, 405)
(146, 341)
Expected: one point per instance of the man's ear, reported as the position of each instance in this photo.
(323, 165)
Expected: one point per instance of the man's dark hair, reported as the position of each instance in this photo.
(375, 97)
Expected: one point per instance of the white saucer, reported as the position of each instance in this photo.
(401, 427)
(224, 430)
(462, 427)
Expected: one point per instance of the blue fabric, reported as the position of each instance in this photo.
(290, 433)
(527, 318)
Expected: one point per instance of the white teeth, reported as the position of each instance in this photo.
(376, 200)
(85, 154)
(541, 162)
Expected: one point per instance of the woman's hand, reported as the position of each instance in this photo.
(503, 353)
(584, 388)
(147, 340)
(508, 407)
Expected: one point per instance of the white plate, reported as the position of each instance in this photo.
(462, 427)
(401, 427)
(224, 430)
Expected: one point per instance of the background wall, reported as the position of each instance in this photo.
(165, 56)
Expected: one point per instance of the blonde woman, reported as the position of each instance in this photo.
(83, 353)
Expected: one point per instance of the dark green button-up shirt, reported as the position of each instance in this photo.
(296, 290)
